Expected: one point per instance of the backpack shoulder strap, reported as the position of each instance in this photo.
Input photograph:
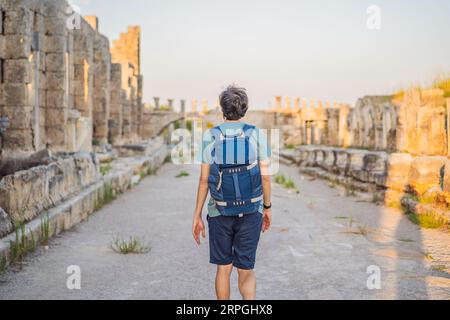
(217, 133)
(248, 130)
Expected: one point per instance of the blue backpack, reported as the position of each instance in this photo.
(235, 177)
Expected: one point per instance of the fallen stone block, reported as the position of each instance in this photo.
(398, 169)
(426, 173)
(329, 162)
(342, 162)
(355, 164)
(6, 225)
(319, 157)
(25, 194)
(291, 156)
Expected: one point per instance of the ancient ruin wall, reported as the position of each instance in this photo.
(57, 80)
(415, 123)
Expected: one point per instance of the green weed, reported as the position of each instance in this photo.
(23, 243)
(133, 245)
(105, 169)
(182, 174)
(45, 230)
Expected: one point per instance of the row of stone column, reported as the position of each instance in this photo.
(194, 105)
(294, 105)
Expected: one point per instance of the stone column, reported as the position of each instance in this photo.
(156, 99)
(194, 105)
(171, 129)
(204, 106)
(304, 104)
(345, 136)
(102, 77)
(448, 129)
(17, 99)
(57, 71)
(183, 113)
(116, 111)
(320, 104)
(36, 63)
(288, 108)
(170, 104)
(297, 105)
(279, 102)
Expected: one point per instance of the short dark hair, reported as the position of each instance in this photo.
(234, 103)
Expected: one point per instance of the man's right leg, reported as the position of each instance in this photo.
(223, 282)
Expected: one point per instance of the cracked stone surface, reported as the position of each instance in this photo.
(320, 247)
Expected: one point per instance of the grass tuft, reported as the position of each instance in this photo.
(428, 221)
(45, 229)
(23, 243)
(105, 169)
(182, 174)
(288, 183)
(280, 179)
(133, 245)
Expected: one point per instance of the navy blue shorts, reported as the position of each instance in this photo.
(234, 240)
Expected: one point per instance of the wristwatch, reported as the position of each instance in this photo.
(268, 207)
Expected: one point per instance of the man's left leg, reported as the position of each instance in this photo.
(247, 284)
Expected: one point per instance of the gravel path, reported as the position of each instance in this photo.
(320, 247)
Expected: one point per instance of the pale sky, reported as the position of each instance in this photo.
(312, 49)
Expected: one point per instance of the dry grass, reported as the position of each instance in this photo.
(443, 83)
(428, 221)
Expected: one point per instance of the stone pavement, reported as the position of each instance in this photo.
(320, 247)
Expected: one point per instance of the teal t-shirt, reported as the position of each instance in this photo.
(258, 141)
